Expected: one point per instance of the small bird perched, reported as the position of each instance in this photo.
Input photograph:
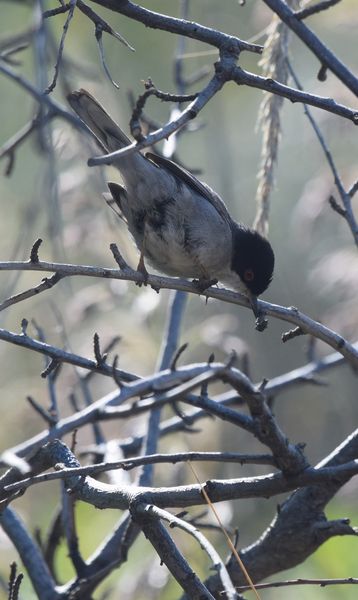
(179, 224)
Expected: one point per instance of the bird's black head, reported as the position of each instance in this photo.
(252, 259)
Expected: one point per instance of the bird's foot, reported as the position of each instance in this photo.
(141, 268)
(261, 322)
(204, 283)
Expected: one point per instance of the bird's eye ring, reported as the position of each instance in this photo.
(249, 275)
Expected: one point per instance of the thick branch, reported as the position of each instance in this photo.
(300, 525)
(30, 555)
(160, 539)
(327, 478)
(131, 463)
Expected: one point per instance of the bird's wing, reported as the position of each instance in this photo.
(190, 180)
(115, 197)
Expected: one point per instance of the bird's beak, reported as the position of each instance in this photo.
(254, 305)
(261, 321)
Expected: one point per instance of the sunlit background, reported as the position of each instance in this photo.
(52, 194)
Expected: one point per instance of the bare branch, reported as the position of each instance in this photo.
(56, 11)
(34, 255)
(294, 582)
(347, 211)
(315, 8)
(182, 27)
(328, 479)
(55, 109)
(71, 10)
(30, 555)
(46, 284)
(60, 355)
(131, 463)
(293, 333)
(189, 113)
(324, 55)
(218, 564)
(241, 76)
(9, 147)
(151, 90)
(158, 536)
(101, 24)
(290, 314)
(14, 582)
(50, 419)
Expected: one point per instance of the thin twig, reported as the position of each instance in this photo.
(50, 419)
(293, 333)
(47, 284)
(56, 11)
(69, 17)
(294, 582)
(100, 23)
(316, 8)
(151, 90)
(15, 580)
(347, 211)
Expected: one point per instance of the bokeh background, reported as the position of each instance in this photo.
(52, 194)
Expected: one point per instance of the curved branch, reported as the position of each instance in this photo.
(189, 113)
(288, 314)
(30, 555)
(102, 495)
(228, 588)
(190, 29)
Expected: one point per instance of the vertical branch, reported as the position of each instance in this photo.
(169, 145)
(50, 376)
(30, 555)
(177, 301)
(45, 131)
(82, 380)
(69, 528)
(170, 342)
(274, 67)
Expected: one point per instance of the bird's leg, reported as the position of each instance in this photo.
(142, 269)
(203, 283)
(141, 266)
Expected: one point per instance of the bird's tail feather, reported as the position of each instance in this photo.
(107, 132)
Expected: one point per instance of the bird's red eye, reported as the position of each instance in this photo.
(249, 275)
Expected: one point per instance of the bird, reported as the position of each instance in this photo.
(180, 225)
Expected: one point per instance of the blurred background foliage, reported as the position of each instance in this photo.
(52, 194)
